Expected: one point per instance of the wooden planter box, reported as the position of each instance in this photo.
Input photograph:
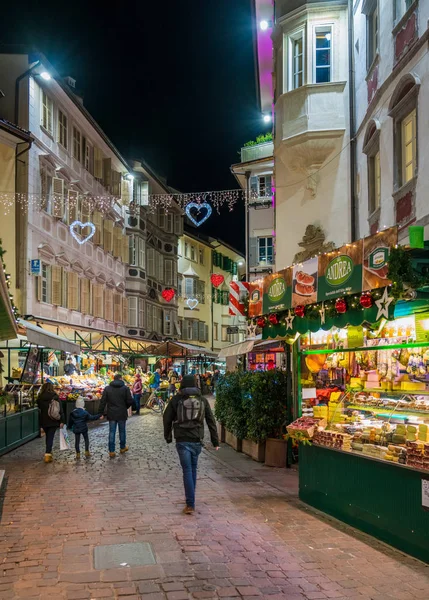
(232, 441)
(221, 432)
(275, 453)
(254, 449)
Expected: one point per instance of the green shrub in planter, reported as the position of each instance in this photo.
(229, 407)
(265, 403)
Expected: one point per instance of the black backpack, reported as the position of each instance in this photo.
(190, 411)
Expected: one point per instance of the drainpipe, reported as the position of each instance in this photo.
(246, 216)
(352, 117)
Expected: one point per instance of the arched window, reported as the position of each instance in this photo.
(371, 147)
(403, 110)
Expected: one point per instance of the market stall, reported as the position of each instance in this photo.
(358, 320)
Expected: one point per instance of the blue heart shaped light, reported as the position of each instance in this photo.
(198, 206)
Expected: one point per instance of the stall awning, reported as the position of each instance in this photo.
(180, 349)
(41, 337)
(237, 349)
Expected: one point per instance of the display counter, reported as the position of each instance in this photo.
(365, 413)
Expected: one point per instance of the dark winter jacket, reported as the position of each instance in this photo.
(195, 434)
(43, 402)
(78, 420)
(117, 398)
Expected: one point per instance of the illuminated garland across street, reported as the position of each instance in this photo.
(215, 200)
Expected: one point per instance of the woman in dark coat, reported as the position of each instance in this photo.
(49, 425)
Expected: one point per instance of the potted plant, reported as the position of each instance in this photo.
(228, 407)
(265, 396)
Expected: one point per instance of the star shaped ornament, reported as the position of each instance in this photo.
(289, 320)
(383, 305)
(322, 312)
(251, 330)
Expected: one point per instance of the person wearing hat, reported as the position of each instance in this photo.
(78, 423)
(185, 415)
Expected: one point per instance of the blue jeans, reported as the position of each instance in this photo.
(188, 454)
(137, 398)
(112, 434)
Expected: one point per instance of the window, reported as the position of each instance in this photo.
(62, 129)
(224, 333)
(401, 7)
(132, 260)
(372, 31)
(161, 218)
(46, 189)
(142, 253)
(191, 287)
(190, 329)
(323, 46)
(409, 147)
(201, 253)
(168, 265)
(151, 262)
(89, 158)
(132, 311)
(141, 313)
(201, 291)
(167, 323)
(264, 186)
(180, 286)
(159, 267)
(45, 295)
(265, 250)
(47, 112)
(371, 147)
(186, 250)
(149, 317)
(178, 224)
(215, 332)
(158, 317)
(169, 222)
(297, 60)
(77, 144)
(193, 253)
(377, 182)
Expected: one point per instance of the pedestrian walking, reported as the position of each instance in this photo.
(185, 414)
(78, 423)
(137, 392)
(51, 416)
(116, 400)
(154, 383)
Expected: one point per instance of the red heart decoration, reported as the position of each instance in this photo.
(168, 294)
(217, 279)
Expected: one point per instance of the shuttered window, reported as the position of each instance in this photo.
(85, 296)
(117, 308)
(141, 313)
(77, 144)
(107, 173)
(116, 184)
(151, 262)
(142, 253)
(57, 285)
(86, 210)
(97, 220)
(168, 330)
(159, 267)
(201, 332)
(132, 311)
(73, 291)
(108, 305)
(62, 129)
(168, 265)
(72, 206)
(98, 301)
(58, 197)
(98, 163)
(125, 311)
(65, 289)
(117, 242)
(124, 256)
(44, 287)
(108, 235)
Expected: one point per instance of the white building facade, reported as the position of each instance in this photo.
(392, 104)
(72, 172)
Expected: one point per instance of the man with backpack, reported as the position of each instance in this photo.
(185, 414)
(117, 398)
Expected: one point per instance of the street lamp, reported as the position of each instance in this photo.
(267, 118)
(264, 25)
(45, 75)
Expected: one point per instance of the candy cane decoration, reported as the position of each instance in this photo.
(238, 290)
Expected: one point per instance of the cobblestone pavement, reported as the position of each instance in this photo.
(248, 538)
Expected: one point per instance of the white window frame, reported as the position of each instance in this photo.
(168, 324)
(401, 7)
(47, 118)
(151, 269)
(46, 284)
(142, 253)
(132, 245)
(141, 314)
(89, 157)
(292, 39)
(316, 29)
(169, 274)
(201, 255)
(63, 129)
(265, 237)
(193, 253)
(412, 142)
(77, 144)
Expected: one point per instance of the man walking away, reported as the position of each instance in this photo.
(117, 398)
(185, 414)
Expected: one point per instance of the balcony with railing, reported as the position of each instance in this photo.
(257, 152)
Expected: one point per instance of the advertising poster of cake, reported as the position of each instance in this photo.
(255, 298)
(376, 250)
(340, 272)
(304, 287)
(277, 291)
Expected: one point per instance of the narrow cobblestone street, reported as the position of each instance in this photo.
(249, 539)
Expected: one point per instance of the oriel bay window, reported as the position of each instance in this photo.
(296, 49)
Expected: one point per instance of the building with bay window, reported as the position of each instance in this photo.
(204, 307)
(68, 277)
(153, 234)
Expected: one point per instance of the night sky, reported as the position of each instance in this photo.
(172, 82)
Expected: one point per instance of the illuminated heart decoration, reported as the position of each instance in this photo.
(82, 226)
(192, 303)
(198, 206)
(168, 294)
(217, 279)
